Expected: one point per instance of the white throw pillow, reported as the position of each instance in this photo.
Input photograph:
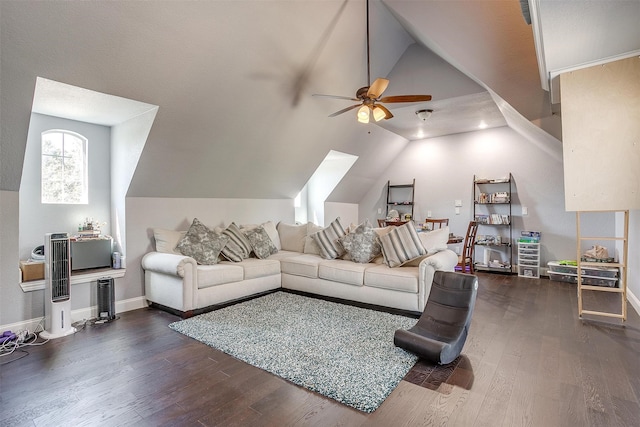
(292, 236)
(167, 240)
(435, 241)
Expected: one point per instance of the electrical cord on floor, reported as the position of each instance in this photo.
(22, 339)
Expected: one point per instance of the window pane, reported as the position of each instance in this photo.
(63, 168)
(52, 143)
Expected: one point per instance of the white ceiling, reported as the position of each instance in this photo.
(233, 79)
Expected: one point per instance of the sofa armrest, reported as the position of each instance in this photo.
(170, 280)
(171, 264)
(444, 260)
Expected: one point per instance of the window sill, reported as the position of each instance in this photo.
(76, 278)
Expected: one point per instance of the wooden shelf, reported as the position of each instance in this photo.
(621, 265)
(492, 199)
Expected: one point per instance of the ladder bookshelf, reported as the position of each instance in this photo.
(621, 264)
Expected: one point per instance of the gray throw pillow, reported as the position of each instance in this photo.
(401, 245)
(261, 243)
(328, 240)
(362, 244)
(238, 247)
(202, 243)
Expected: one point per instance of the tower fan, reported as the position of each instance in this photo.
(57, 284)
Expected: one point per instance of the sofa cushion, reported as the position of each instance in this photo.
(202, 244)
(238, 247)
(403, 279)
(401, 244)
(342, 271)
(292, 236)
(260, 242)
(213, 275)
(167, 240)
(310, 245)
(269, 227)
(301, 265)
(284, 254)
(254, 267)
(328, 239)
(433, 242)
(362, 243)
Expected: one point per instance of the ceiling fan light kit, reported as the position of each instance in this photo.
(370, 96)
(424, 114)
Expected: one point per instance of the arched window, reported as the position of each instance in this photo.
(64, 167)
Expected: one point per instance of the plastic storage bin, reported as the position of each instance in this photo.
(594, 276)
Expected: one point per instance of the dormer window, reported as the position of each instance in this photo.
(64, 168)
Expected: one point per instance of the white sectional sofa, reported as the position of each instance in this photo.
(178, 283)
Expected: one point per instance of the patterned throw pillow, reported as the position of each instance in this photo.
(401, 245)
(202, 243)
(261, 243)
(328, 240)
(238, 247)
(362, 243)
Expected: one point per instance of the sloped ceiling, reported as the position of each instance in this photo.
(233, 81)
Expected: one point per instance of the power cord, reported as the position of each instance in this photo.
(18, 340)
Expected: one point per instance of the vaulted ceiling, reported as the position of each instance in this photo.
(233, 79)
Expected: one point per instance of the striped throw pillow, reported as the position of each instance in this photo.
(238, 247)
(328, 240)
(401, 245)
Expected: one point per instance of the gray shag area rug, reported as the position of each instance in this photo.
(342, 352)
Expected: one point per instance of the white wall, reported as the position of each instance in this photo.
(37, 218)
(444, 168)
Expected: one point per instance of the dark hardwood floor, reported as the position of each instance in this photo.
(529, 360)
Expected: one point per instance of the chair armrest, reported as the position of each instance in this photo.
(171, 264)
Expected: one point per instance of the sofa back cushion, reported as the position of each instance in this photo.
(167, 240)
(292, 236)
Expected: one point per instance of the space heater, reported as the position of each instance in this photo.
(57, 286)
(106, 299)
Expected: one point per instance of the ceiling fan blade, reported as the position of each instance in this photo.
(344, 110)
(349, 98)
(406, 98)
(376, 89)
(387, 113)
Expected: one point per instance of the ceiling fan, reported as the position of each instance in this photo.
(370, 98)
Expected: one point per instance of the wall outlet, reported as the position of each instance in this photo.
(457, 211)
(379, 211)
(525, 210)
(428, 214)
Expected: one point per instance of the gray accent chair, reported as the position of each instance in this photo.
(442, 328)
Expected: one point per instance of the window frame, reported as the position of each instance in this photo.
(84, 196)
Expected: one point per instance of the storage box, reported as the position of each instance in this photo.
(610, 282)
(609, 272)
(32, 270)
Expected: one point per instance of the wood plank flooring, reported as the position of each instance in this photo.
(529, 361)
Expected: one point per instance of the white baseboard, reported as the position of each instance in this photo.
(80, 314)
(633, 300)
